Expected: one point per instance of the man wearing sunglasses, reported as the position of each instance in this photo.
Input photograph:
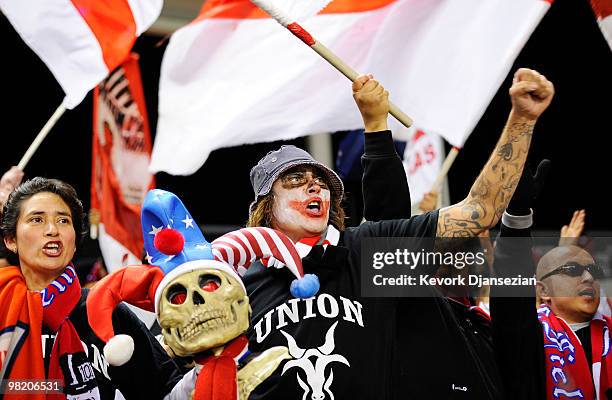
(568, 284)
(563, 349)
(576, 337)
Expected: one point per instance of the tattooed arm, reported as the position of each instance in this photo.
(531, 93)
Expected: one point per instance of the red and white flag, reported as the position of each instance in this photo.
(80, 41)
(121, 154)
(603, 12)
(234, 76)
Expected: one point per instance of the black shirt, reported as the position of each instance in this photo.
(368, 348)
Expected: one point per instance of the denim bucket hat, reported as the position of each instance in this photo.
(269, 168)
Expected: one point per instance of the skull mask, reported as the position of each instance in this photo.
(202, 310)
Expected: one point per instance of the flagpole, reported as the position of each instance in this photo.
(446, 165)
(41, 136)
(351, 74)
(277, 12)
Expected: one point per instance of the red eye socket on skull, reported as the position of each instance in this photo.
(178, 298)
(210, 286)
(177, 294)
(210, 282)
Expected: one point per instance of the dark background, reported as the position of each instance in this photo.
(574, 133)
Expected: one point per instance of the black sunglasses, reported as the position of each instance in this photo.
(575, 269)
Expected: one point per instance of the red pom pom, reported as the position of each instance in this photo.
(169, 241)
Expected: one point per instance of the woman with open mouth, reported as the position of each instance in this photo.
(41, 300)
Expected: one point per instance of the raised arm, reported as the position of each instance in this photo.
(531, 93)
(385, 187)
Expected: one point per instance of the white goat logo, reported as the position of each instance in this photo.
(315, 372)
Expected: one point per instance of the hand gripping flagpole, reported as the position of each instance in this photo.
(41, 136)
(310, 7)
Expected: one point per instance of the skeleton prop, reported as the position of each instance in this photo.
(198, 296)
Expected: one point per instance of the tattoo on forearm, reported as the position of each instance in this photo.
(493, 188)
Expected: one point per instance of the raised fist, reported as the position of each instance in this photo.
(373, 102)
(531, 93)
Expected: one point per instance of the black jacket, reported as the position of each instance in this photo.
(393, 348)
(342, 344)
(150, 373)
(385, 187)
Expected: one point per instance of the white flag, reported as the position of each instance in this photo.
(80, 41)
(234, 76)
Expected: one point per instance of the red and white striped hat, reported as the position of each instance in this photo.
(242, 247)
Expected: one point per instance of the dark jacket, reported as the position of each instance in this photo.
(342, 343)
(149, 374)
(385, 187)
(370, 348)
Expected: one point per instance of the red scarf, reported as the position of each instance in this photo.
(20, 328)
(68, 359)
(22, 314)
(218, 377)
(567, 372)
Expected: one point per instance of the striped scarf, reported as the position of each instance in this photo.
(21, 319)
(567, 372)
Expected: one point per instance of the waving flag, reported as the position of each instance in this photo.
(121, 153)
(603, 12)
(233, 76)
(80, 41)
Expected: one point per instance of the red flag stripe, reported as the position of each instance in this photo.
(602, 8)
(236, 259)
(244, 9)
(235, 256)
(113, 25)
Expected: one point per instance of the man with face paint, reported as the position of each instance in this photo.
(348, 346)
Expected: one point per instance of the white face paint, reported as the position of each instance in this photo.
(301, 203)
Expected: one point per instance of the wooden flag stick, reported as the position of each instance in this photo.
(350, 73)
(446, 165)
(278, 9)
(41, 136)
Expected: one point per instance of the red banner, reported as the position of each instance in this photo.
(121, 155)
